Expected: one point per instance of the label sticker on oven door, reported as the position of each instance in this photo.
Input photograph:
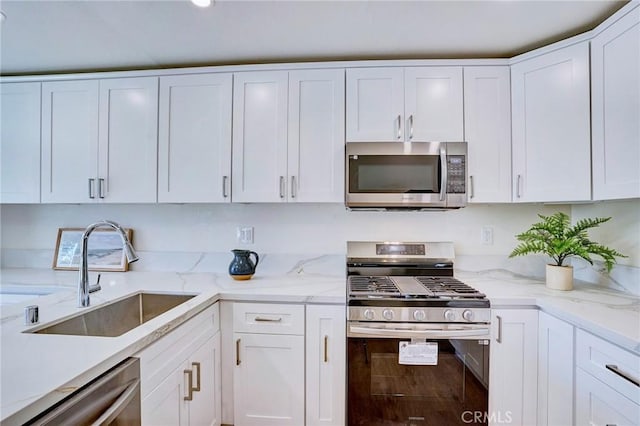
(421, 353)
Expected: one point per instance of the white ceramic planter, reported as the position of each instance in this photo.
(560, 277)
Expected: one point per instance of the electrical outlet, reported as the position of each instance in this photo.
(245, 234)
(486, 235)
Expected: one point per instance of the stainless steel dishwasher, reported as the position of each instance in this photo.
(111, 399)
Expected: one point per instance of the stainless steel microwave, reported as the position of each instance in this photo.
(406, 175)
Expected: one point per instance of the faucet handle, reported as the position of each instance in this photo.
(95, 287)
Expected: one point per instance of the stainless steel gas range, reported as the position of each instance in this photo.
(418, 338)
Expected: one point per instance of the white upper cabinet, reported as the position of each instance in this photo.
(259, 136)
(418, 104)
(128, 140)
(433, 104)
(99, 141)
(615, 92)
(194, 141)
(70, 141)
(20, 143)
(487, 128)
(375, 104)
(288, 130)
(316, 136)
(551, 126)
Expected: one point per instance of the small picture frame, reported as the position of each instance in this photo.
(105, 250)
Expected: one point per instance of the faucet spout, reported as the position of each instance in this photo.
(83, 282)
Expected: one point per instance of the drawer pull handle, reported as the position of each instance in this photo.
(238, 352)
(195, 365)
(189, 374)
(626, 376)
(260, 319)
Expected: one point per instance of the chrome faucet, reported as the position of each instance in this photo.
(83, 283)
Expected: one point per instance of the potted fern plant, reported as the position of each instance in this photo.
(555, 237)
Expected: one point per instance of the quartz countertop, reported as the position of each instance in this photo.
(39, 370)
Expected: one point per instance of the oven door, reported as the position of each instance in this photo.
(417, 381)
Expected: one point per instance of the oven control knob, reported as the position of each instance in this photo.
(387, 314)
(368, 314)
(449, 315)
(419, 315)
(467, 315)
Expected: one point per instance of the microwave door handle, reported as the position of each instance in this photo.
(443, 177)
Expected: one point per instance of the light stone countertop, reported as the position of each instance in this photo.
(39, 370)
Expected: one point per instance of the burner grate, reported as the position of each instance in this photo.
(372, 285)
(449, 287)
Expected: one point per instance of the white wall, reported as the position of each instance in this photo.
(279, 228)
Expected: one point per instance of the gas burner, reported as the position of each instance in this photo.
(449, 287)
(372, 285)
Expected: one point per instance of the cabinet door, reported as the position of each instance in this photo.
(555, 371)
(615, 85)
(128, 140)
(20, 143)
(325, 334)
(600, 405)
(513, 366)
(268, 380)
(316, 136)
(194, 141)
(551, 126)
(375, 104)
(165, 405)
(260, 137)
(433, 104)
(69, 141)
(487, 128)
(206, 405)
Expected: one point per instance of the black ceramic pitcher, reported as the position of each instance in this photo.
(241, 267)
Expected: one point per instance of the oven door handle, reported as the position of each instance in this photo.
(424, 334)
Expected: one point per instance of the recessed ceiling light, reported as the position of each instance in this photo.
(202, 3)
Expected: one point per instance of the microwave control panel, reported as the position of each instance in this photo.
(456, 174)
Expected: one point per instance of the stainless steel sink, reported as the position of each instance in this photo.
(117, 317)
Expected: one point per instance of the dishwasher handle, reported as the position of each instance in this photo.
(119, 404)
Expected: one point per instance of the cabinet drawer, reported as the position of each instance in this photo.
(609, 363)
(268, 318)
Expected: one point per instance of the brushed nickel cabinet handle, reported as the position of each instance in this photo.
(399, 127)
(293, 187)
(614, 369)
(238, 352)
(326, 348)
(189, 396)
(225, 179)
(282, 184)
(92, 185)
(499, 336)
(471, 194)
(518, 186)
(411, 127)
(195, 365)
(101, 188)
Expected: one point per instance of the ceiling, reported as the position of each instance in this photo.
(46, 36)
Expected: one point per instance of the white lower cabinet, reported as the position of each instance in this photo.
(605, 390)
(555, 371)
(326, 365)
(268, 376)
(181, 375)
(513, 367)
